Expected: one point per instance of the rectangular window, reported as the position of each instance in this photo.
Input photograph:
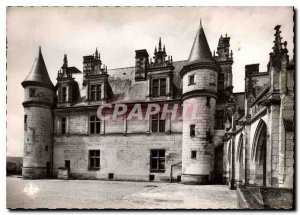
(191, 79)
(155, 87)
(64, 94)
(157, 160)
(221, 81)
(25, 122)
(208, 101)
(159, 87)
(94, 159)
(32, 92)
(67, 164)
(95, 92)
(219, 119)
(193, 154)
(209, 137)
(158, 125)
(63, 125)
(192, 131)
(95, 124)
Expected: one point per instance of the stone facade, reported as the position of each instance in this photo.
(235, 138)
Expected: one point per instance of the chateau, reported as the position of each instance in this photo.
(236, 138)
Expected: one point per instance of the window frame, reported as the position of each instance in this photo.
(95, 92)
(64, 94)
(32, 92)
(63, 128)
(158, 86)
(95, 123)
(219, 119)
(192, 130)
(160, 123)
(192, 77)
(193, 154)
(94, 157)
(158, 158)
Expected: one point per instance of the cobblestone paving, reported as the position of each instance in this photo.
(113, 194)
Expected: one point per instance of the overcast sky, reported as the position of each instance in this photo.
(119, 31)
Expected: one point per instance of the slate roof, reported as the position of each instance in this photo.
(38, 73)
(200, 52)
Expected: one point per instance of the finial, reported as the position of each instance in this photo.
(226, 35)
(164, 49)
(231, 54)
(214, 53)
(171, 59)
(159, 44)
(155, 50)
(200, 23)
(96, 53)
(40, 50)
(65, 63)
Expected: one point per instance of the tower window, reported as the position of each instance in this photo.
(95, 124)
(46, 148)
(25, 122)
(63, 125)
(191, 79)
(157, 160)
(192, 130)
(158, 125)
(159, 87)
(208, 101)
(193, 154)
(219, 119)
(221, 81)
(95, 92)
(32, 92)
(64, 94)
(94, 159)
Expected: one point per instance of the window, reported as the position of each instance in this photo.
(110, 176)
(32, 92)
(94, 125)
(192, 130)
(209, 137)
(63, 125)
(193, 154)
(157, 160)
(67, 164)
(159, 87)
(158, 125)
(219, 119)
(25, 122)
(64, 94)
(94, 159)
(208, 101)
(221, 81)
(191, 79)
(95, 92)
(46, 148)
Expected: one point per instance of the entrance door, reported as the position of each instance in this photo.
(67, 164)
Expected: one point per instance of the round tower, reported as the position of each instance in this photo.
(38, 121)
(199, 78)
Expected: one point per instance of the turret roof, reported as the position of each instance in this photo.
(38, 74)
(200, 52)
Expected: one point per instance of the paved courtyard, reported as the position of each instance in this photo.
(114, 194)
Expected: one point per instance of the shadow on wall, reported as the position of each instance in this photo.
(14, 165)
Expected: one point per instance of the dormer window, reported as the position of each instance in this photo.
(159, 87)
(95, 92)
(64, 94)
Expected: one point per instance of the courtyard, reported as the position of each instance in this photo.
(93, 194)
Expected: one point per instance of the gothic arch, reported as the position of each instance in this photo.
(259, 153)
(240, 158)
(261, 129)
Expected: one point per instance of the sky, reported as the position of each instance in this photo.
(118, 31)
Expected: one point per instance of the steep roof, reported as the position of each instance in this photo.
(200, 52)
(38, 74)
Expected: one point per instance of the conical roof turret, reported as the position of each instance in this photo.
(38, 74)
(200, 52)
